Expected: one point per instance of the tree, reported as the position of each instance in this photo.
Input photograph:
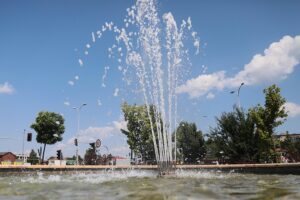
(248, 137)
(139, 135)
(190, 142)
(33, 158)
(234, 137)
(90, 157)
(49, 127)
(266, 119)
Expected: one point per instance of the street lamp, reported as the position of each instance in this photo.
(238, 95)
(78, 124)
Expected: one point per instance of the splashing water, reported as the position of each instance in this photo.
(136, 184)
(153, 49)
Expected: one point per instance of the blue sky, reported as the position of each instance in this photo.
(256, 42)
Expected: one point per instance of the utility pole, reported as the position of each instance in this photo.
(78, 127)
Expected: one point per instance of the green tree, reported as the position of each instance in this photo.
(190, 142)
(33, 158)
(92, 158)
(49, 127)
(139, 135)
(267, 118)
(234, 137)
(248, 137)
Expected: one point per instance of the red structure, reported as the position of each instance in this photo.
(7, 157)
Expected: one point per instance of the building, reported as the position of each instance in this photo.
(7, 158)
(54, 161)
(23, 157)
(294, 137)
(286, 154)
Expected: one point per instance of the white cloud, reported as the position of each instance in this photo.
(6, 88)
(108, 134)
(93, 133)
(66, 103)
(120, 124)
(293, 109)
(203, 84)
(120, 150)
(61, 145)
(276, 63)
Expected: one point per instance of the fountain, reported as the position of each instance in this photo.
(153, 50)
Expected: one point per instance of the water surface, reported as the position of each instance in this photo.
(133, 184)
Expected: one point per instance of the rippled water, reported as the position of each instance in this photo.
(132, 184)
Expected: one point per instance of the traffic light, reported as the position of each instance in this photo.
(92, 145)
(76, 142)
(29, 137)
(58, 154)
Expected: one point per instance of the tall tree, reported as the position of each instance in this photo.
(49, 127)
(139, 135)
(267, 118)
(190, 142)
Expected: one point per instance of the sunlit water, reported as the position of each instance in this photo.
(132, 184)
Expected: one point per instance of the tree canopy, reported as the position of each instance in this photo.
(190, 142)
(240, 136)
(248, 137)
(49, 127)
(234, 137)
(139, 135)
(266, 119)
(92, 157)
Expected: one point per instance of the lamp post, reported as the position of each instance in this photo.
(78, 126)
(238, 95)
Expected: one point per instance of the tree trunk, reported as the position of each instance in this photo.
(43, 153)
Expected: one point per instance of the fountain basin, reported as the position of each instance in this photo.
(136, 183)
(270, 168)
